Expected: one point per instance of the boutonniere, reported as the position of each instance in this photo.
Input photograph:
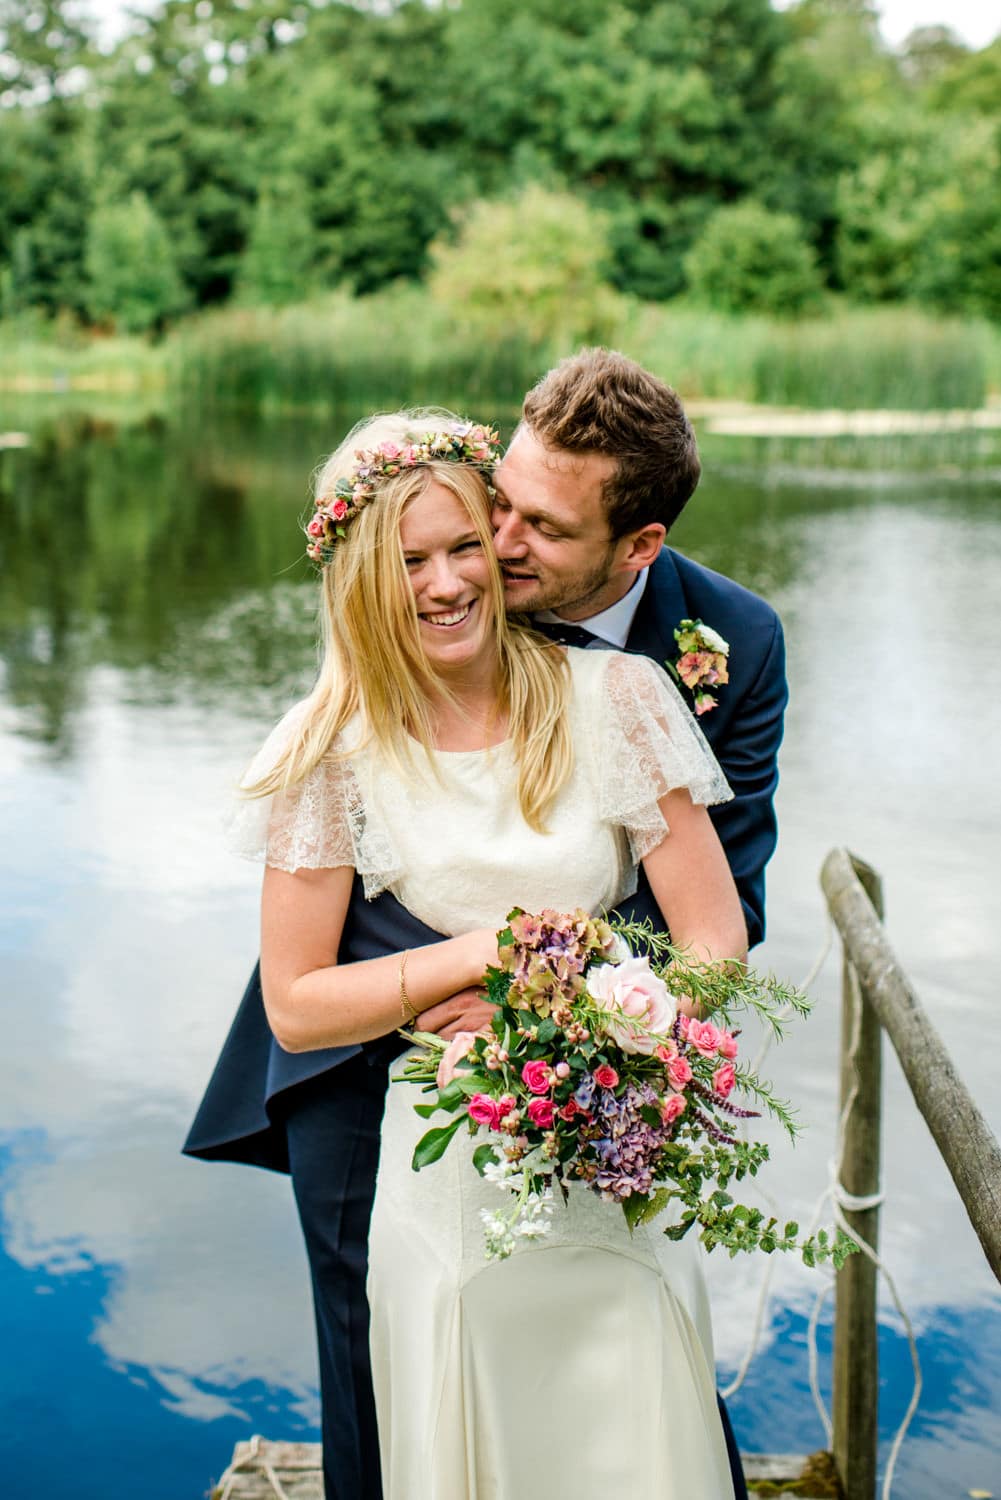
(701, 663)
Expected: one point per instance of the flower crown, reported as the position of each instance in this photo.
(463, 444)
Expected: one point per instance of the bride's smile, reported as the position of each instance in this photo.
(450, 574)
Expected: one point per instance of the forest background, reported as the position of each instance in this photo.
(275, 201)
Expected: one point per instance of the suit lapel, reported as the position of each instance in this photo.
(661, 608)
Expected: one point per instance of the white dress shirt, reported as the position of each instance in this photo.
(612, 625)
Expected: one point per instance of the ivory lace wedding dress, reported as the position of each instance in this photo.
(581, 1368)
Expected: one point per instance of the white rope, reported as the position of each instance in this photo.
(252, 1458)
(841, 1201)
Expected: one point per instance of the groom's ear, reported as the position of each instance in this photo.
(641, 548)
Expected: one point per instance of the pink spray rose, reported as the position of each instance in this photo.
(671, 1108)
(727, 1044)
(724, 1079)
(704, 1037)
(541, 1112)
(633, 989)
(679, 1072)
(456, 1052)
(338, 509)
(315, 527)
(537, 1076)
(484, 1110)
(605, 1076)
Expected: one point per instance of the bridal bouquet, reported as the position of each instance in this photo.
(594, 1074)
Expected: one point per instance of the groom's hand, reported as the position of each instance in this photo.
(468, 1010)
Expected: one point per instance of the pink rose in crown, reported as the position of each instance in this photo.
(338, 509)
(537, 1077)
(631, 991)
(605, 1076)
(456, 1052)
(704, 1037)
(485, 1111)
(541, 1112)
(315, 527)
(679, 1072)
(389, 450)
(724, 1079)
(671, 1108)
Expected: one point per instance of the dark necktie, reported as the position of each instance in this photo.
(564, 632)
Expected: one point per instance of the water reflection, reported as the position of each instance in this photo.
(153, 618)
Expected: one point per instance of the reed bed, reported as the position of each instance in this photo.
(399, 346)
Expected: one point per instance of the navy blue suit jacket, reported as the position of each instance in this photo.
(238, 1119)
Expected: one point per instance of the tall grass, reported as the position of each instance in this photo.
(881, 357)
(41, 355)
(337, 352)
(400, 346)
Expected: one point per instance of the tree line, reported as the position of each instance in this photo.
(262, 151)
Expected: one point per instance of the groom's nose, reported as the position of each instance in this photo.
(509, 538)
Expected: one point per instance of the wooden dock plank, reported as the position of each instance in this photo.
(265, 1470)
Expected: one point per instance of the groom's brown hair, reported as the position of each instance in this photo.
(598, 401)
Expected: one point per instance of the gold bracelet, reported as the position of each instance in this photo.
(406, 1009)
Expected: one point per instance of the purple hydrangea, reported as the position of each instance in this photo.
(628, 1146)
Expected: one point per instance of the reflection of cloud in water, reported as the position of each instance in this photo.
(120, 996)
(210, 1282)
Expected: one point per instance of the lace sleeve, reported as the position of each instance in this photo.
(650, 745)
(309, 826)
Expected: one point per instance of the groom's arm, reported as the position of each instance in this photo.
(749, 756)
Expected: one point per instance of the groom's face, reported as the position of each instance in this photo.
(551, 532)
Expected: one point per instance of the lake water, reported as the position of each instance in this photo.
(153, 622)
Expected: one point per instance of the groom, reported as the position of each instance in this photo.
(601, 465)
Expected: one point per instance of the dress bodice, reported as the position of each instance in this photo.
(466, 856)
(449, 839)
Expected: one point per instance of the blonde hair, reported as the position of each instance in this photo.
(374, 663)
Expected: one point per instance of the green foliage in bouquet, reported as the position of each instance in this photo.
(592, 1073)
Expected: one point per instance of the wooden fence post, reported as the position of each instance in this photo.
(856, 1357)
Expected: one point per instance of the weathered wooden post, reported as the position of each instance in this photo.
(856, 1356)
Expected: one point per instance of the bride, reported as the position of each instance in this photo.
(455, 757)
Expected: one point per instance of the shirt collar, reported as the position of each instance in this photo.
(613, 624)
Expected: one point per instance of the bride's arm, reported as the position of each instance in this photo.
(311, 1000)
(692, 884)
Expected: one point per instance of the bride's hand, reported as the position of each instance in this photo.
(468, 1010)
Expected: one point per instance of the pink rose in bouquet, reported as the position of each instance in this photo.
(703, 1036)
(724, 1080)
(631, 991)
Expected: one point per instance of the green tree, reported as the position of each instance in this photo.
(132, 275)
(657, 110)
(534, 265)
(748, 259)
(275, 268)
(971, 84)
(918, 219)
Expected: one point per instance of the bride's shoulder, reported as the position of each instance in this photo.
(612, 677)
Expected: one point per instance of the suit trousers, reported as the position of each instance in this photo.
(332, 1125)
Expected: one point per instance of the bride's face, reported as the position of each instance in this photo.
(450, 577)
